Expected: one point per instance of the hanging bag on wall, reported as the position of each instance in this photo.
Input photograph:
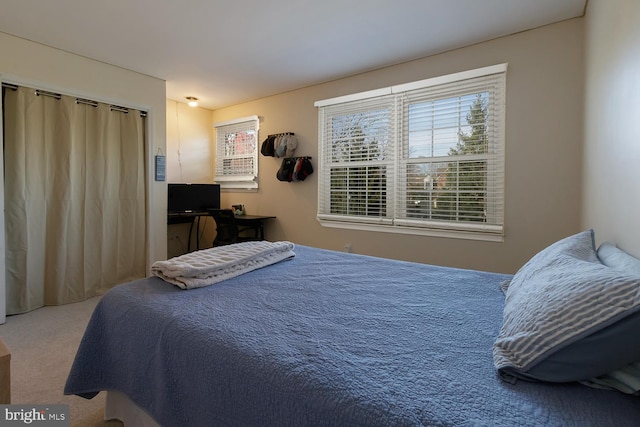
(302, 169)
(267, 148)
(294, 169)
(285, 173)
(285, 145)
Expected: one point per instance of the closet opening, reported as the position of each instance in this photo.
(75, 195)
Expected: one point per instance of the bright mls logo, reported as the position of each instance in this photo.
(38, 415)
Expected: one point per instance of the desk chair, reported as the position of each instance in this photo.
(227, 230)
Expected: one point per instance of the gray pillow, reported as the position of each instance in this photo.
(568, 317)
(614, 257)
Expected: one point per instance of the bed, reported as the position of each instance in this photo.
(323, 339)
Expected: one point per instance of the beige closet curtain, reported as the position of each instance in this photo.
(74, 199)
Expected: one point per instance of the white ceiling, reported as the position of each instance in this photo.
(227, 52)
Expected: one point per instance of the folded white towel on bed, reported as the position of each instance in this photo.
(209, 266)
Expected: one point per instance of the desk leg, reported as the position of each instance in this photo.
(189, 239)
(197, 234)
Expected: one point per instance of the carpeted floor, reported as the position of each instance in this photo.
(43, 344)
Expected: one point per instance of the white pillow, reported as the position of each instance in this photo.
(625, 379)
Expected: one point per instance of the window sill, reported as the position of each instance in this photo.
(250, 186)
(416, 231)
(238, 190)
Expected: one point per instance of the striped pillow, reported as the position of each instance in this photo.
(568, 317)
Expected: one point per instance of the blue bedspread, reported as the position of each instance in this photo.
(325, 339)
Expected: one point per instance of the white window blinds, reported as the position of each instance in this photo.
(237, 153)
(427, 155)
(358, 159)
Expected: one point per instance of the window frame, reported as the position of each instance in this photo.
(231, 181)
(397, 220)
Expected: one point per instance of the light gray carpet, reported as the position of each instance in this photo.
(43, 344)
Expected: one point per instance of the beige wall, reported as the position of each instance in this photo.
(543, 156)
(612, 112)
(29, 63)
(190, 152)
(189, 143)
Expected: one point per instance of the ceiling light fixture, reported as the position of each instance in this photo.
(193, 102)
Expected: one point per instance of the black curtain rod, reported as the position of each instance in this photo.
(119, 108)
(281, 133)
(40, 92)
(88, 102)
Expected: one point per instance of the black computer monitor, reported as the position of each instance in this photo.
(184, 198)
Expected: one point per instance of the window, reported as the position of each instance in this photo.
(421, 158)
(237, 153)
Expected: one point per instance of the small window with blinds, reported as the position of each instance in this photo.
(237, 153)
(420, 158)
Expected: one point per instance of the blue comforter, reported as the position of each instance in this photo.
(325, 339)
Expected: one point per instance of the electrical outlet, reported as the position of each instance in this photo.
(347, 247)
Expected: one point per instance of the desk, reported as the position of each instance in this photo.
(188, 218)
(255, 222)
